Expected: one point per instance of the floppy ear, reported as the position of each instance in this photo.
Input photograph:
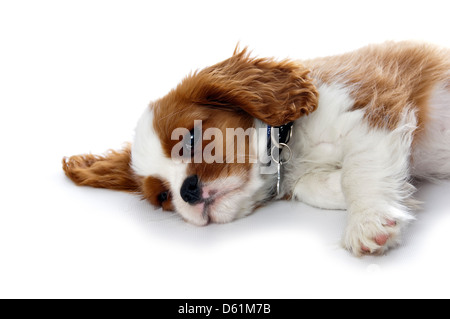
(276, 92)
(111, 170)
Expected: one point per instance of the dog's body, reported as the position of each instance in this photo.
(365, 124)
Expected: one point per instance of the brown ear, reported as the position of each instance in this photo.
(111, 170)
(276, 92)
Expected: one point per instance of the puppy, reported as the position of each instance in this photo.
(343, 132)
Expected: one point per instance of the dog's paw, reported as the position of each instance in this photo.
(370, 232)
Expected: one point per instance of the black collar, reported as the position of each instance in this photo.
(284, 135)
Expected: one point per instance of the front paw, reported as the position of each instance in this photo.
(370, 232)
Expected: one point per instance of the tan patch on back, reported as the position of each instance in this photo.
(386, 79)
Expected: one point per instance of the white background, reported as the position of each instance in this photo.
(75, 76)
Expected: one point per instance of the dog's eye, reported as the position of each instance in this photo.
(162, 197)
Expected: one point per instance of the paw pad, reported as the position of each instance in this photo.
(371, 236)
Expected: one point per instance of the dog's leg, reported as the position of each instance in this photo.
(431, 155)
(375, 183)
(321, 189)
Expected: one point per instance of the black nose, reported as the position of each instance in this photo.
(190, 190)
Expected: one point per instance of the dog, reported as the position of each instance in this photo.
(348, 132)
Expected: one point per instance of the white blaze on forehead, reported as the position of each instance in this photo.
(147, 154)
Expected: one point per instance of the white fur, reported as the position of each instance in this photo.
(147, 154)
(375, 184)
(235, 196)
(342, 163)
(432, 151)
(314, 176)
(148, 158)
(339, 162)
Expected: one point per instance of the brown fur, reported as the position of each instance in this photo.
(229, 94)
(385, 79)
(111, 170)
(275, 92)
(151, 187)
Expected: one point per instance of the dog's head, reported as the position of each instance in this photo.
(196, 149)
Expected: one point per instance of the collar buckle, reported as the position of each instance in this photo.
(281, 141)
